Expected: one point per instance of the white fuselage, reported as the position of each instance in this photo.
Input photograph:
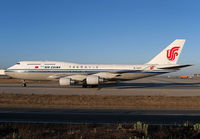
(48, 70)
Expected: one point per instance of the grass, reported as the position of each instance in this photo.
(92, 131)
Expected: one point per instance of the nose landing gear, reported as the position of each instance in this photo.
(24, 83)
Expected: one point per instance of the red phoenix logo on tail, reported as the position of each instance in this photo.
(171, 54)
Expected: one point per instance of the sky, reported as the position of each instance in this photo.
(98, 31)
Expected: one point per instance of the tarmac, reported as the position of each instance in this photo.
(153, 86)
(99, 116)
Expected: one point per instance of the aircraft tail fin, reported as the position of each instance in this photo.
(170, 54)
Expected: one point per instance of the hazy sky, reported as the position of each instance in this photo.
(97, 31)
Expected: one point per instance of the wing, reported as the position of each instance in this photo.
(105, 75)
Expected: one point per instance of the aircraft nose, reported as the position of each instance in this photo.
(2, 72)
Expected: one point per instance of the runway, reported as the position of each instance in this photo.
(154, 86)
(99, 116)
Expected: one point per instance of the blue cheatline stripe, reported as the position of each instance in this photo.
(73, 71)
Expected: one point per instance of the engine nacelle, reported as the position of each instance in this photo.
(66, 81)
(93, 80)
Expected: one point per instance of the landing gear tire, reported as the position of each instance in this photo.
(94, 86)
(84, 86)
(24, 85)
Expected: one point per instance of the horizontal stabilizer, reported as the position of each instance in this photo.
(175, 67)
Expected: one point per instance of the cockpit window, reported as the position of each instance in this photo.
(18, 63)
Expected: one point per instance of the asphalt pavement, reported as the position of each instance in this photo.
(99, 116)
(155, 86)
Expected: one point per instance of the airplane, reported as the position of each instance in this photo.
(91, 75)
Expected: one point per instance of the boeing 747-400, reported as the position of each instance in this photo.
(95, 74)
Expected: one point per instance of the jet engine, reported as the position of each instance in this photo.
(93, 80)
(66, 81)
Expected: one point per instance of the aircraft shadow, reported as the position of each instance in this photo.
(150, 85)
(122, 85)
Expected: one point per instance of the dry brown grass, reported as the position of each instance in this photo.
(113, 102)
(93, 131)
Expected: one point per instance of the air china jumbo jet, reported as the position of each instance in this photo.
(95, 74)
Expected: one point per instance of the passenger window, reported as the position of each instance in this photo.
(74, 67)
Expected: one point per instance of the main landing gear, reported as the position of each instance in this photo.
(90, 86)
(24, 83)
(84, 85)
